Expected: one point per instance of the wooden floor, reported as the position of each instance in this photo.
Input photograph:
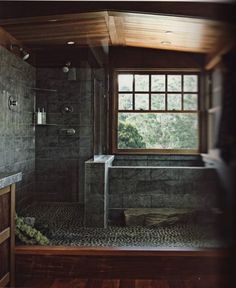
(200, 282)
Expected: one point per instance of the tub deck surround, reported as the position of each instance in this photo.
(96, 190)
(7, 179)
(159, 160)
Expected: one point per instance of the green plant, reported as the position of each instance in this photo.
(28, 234)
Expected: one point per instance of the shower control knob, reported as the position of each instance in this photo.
(12, 103)
(70, 131)
(67, 109)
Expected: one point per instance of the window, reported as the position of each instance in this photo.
(156, 112)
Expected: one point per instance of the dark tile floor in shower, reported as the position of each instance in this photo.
(64, 226)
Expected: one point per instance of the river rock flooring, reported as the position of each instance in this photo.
(63, 224)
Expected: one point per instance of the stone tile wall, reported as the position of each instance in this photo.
(153, 187)
(17, 134)
(96, 191)
(60, 158)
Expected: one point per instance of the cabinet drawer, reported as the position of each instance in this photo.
(4, 258)
(5, 211)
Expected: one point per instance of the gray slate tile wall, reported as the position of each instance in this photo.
(60, 158)
(17, 134)
(155, 187)
(96, 191)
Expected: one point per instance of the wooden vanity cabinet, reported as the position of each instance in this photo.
(7, 236)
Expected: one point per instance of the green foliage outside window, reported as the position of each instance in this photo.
(129, 137)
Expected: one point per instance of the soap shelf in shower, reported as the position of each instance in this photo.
(45, 124)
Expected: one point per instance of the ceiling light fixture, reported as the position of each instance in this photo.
(166, 42)
(52, 20)
(70, 42)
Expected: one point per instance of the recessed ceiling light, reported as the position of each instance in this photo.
(70, 42)
(168, 32)
(52, 20)
(166, 42)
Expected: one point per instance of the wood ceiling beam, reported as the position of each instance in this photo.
(116, 29)
(213, 59)
(7, 39)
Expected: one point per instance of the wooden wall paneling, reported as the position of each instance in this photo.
(58, 29)
(134, 57)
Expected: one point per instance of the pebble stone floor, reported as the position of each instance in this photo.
(64, 222)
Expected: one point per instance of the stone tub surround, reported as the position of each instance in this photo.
(7, 179)
(158, 160)
(96, 191)
(17, 134)
(160, 187)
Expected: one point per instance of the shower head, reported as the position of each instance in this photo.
(24, 54)
(66, 67)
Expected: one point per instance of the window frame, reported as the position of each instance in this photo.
(115, 110)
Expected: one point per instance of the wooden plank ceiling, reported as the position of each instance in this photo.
(121, 29)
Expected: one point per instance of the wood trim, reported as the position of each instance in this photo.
(7, 39)
(5, 280)
(149, 72)
(60, 262)
(12, 243)
(214, 59)
(107, 251)
(158, 70)
(5, 190)
(116, 30)
(160, 111)
(4, 235)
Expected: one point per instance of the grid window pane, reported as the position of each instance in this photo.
(141, 101)
(125, 82)
(157, 130)
(125, 102)
(174, 83)
(141, 82)
(158, 83)
(174, 102)
(190, 83)
(190, 102)
(158, 102)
